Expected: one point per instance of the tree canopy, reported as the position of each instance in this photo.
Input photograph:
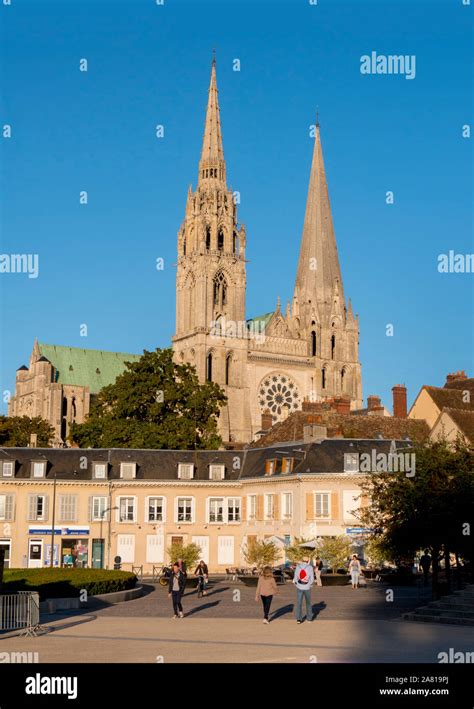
(16, 431)
(154, 403)
(434, 508)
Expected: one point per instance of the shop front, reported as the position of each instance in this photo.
(71, 546)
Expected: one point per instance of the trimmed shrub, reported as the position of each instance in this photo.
(67, 583)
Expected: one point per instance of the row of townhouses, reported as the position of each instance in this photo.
(136, 503)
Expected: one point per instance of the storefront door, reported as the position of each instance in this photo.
(97, 553)
(6, 544)
(35, 553)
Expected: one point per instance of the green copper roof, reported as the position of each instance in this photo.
(260, 319)
(92, 368)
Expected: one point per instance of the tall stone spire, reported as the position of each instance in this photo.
(212, 163)
(318, 272)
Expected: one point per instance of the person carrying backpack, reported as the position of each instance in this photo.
(303, 580)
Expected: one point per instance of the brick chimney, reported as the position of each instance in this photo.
(267, 420)
(342, 404)
(373, 402)
(399, 392)
(455, 377)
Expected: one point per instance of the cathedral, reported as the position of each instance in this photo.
(267, 365)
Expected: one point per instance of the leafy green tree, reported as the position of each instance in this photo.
(15, 431)
(376, 551)
(335, 550)
(296, 553)
(189, 553)
(434, 508)
(154, 403)
(261, 553)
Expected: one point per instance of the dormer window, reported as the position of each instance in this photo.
(287, 465)
(270, 466)
(8, 468)
(351, 462)
(99, 470)
(38, 469)
(216, 472)
(128, 471)
(185, 471)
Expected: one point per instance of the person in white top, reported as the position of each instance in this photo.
(354, 570)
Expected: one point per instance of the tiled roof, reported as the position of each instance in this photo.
(92, 368)
(350, 426)
(265, 319)
(461, 384)
(451, 398)
(162, 465)
(464, 420)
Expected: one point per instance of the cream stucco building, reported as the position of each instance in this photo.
(136, 503)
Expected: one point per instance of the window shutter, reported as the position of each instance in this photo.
(31, 507)
(335, 505)
(309, 505)
(91, 510)
(276, 506)
(46, 507)
(243, 508)
(259, 510)
(10, 507)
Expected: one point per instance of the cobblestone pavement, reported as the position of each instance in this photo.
(227, 599)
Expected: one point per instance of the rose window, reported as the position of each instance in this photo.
(278, 393)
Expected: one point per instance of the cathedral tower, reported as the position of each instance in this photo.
(319, 312)
(211, 279)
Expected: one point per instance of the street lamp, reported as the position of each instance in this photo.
(102, 515)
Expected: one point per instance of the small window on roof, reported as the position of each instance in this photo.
(216, 472)
(185, 471)
(287, 465)
(8, 468)
(351, 462)
(128, 471)
(270, 466)
(100, 470)
(38, 469)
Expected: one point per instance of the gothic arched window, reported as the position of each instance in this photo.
(228, 367)
(208, 238)
(234, 243)
(323, 378)
(220, 240)
(184, 246)
(219, 290)
(209, 367)
(333, 346)
(313, 343)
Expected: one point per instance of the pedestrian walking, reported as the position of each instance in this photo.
(425, 563)
(266, 589)
(354, 570)
(176, 590)
(202, 572)
(318, 565)
(183, 568)
(303, 580)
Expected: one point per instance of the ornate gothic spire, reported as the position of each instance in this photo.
(212, 163)
(318, 266)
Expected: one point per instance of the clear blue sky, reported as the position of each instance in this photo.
(149, 65)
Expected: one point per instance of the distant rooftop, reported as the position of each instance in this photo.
(92, 368)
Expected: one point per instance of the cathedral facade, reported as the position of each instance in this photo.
(267, 365)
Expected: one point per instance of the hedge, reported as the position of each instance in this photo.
(66, 583)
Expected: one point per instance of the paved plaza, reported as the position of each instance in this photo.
(350, 626)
